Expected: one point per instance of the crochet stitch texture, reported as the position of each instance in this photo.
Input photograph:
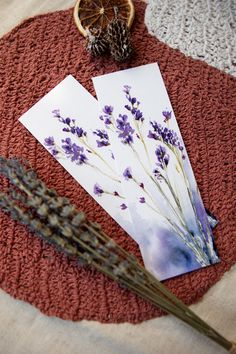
(202, 29)
(36, 56)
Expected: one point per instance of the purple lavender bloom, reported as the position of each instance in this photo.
(104, 138)
(97, 190)
(56, 113)
(139, 115)
(141, 185)
(71, 126)
(54, 151)
(157, 174)
(162, 156)
(133, 108)
(116, 194)
(80, 132)
(123, 206)
(127, 89)
(142, 200)
(112, 156)
(108, 110)
(49, 141)
(74, 152)
(166, 135)
(167, 115)
(127, 173)
(128, 107)
(125, 129)
(106, 117)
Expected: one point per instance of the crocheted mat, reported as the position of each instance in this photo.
(204, 30)
(36, 56)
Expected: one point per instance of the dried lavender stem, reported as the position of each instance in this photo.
(54, 221)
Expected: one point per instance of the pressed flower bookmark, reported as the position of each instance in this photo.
(66, 123)
(171, 224)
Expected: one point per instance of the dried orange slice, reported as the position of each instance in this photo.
(96, 14)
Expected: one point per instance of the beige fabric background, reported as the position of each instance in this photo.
(24, 330)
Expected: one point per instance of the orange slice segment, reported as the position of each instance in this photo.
(96, 14)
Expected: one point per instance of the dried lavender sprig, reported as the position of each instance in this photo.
(53, 202)
(35, 205)
(122, 266)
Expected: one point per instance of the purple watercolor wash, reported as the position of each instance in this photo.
(97, 190)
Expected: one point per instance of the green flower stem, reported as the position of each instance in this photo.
(199, 253)
(142, 141)
(210, 248)
(158, 186)
(103, 173)
(110, 193)
(97, 154)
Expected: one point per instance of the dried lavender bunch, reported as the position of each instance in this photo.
(55, 220)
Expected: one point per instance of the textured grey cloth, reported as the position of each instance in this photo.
(202, 29)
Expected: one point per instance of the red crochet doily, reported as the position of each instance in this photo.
(36, 56)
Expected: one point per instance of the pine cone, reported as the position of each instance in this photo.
(97, 43)
(119, 39)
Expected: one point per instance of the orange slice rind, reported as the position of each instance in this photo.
(96, 14)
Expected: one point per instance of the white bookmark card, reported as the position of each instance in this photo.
(169, 218)
(66, 123)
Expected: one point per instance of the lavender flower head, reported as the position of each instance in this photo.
(127, 173)
(107, 116)
(97, 190)
(133, 105)
(162, 157)
(126, 89)
(123, 206)
(50, 143)
(74, 151)
(124, 129)
(70, 124)
(166, 115)
(142, 200)
(168, 136)
(56, 113)
(103, 136)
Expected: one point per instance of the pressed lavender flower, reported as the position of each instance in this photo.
(108, 110)
(56, 113)
(106, 117)
(97, 190)
(104, 138)
(127, 173)
(142, 200)
(124, 129)
(74, 151)
(162, 156)
(133, 107)
(167, 115)
(71, 126)
(123, 206)
(54, 151)
(50, 143)
(141, 185)
(166, 135)
(157, 174)
(127, 89)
